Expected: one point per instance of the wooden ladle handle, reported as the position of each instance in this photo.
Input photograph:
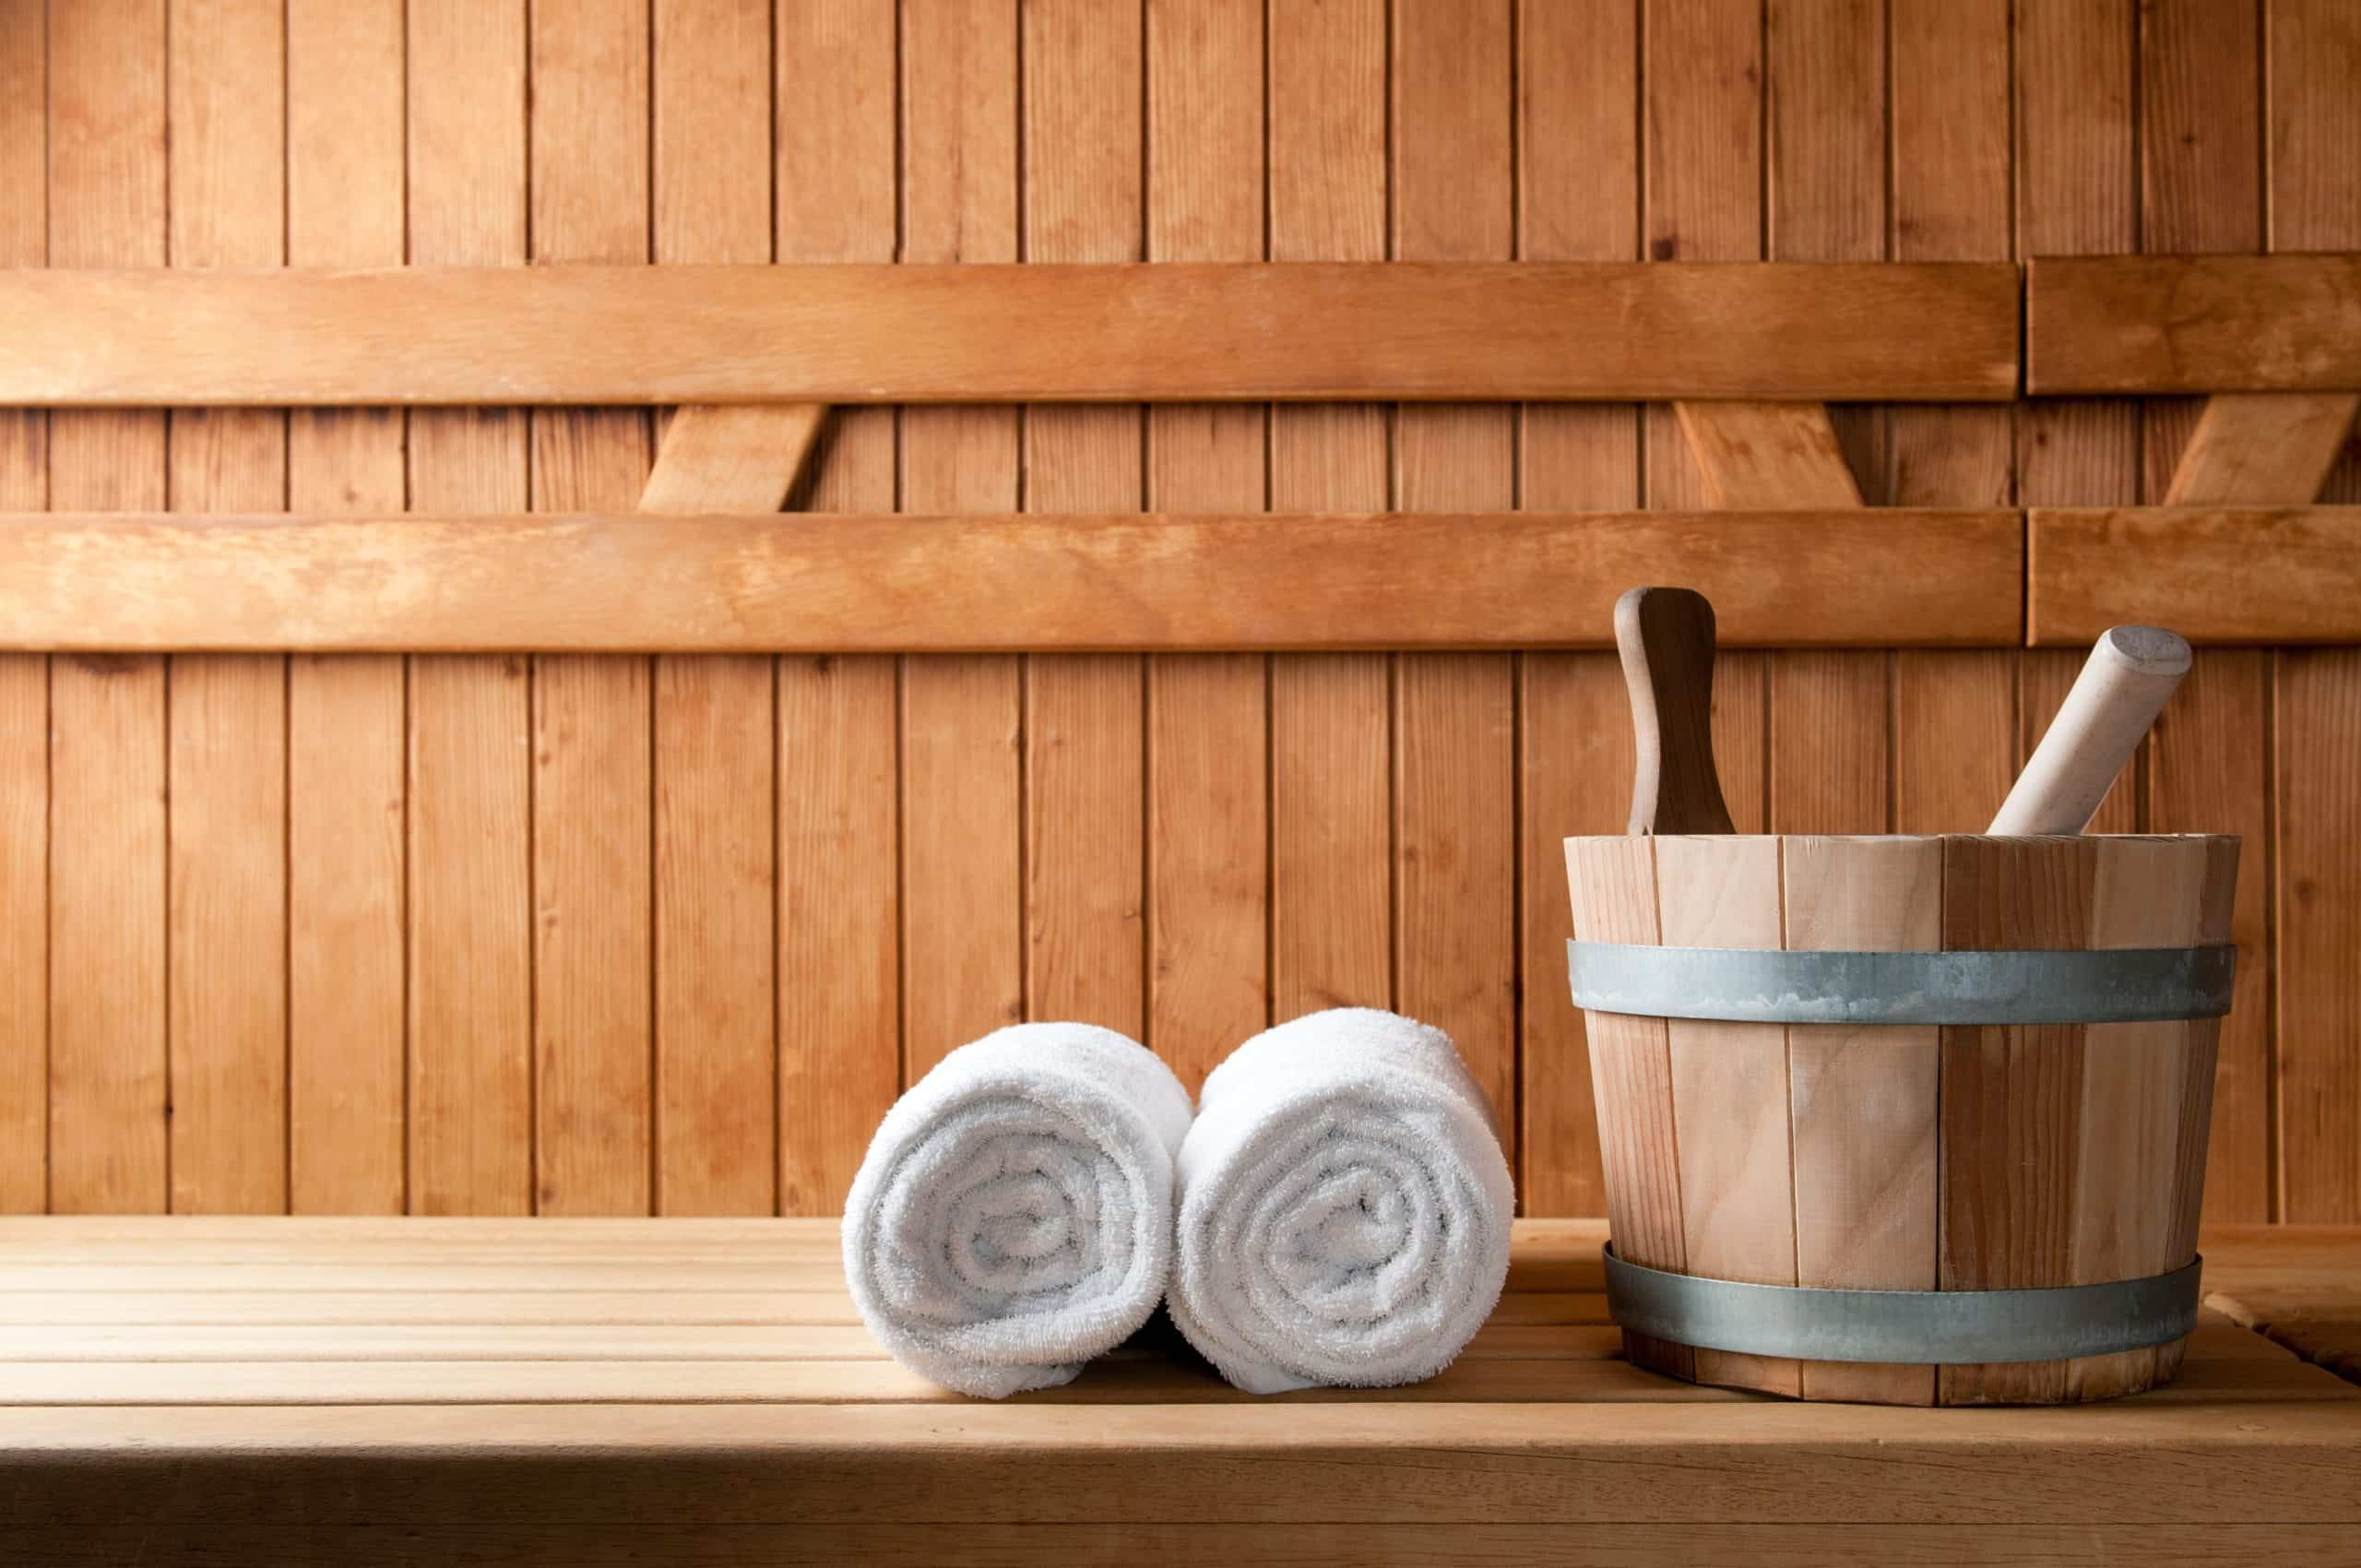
(1665, 635)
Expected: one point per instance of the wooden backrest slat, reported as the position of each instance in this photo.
(2176, 323)
(989, 333)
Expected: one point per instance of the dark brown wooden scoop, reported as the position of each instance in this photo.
(1665, 635)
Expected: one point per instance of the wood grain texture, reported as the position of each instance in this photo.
(2209, 758)
(732, 457)
(1578, 199)
(1738, 1207)
(714, 728)
(1454, 757)
(1954, 713)
(2145, 893)
(24, 681)
(1085, 898)
(963, 890)
(1768, 456)
(1830, 716)
(2216, 574)
(1331, 786)
(592, 751)
(2076, 194)
(347, 1035)
(2256, 448)
(838, 904)
(107, 1062)
(2192, 325)
(1208, 736)
(2314, 194)
(2012, 1100)
(469, 897)
(1612, 881)
(226, 716)
(982, 333)
(1702, 178)
(620, 580)
(1863, 1101)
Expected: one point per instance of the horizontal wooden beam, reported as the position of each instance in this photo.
(2100, 325)
(2215, 574)
(878, 334)
(118, 582)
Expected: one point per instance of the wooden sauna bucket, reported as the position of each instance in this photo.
(1839, 1159)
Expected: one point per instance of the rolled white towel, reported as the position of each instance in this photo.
(1014, 1215)
(1343, 1206)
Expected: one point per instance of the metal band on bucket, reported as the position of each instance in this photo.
(1910, 1327)
(1751, 985)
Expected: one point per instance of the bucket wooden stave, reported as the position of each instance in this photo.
(1904, 1156)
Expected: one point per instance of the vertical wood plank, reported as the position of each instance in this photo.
(107, 1062)
(2315, 55)
(1956, 723)
(2147, 893)
(2201, 129)
(24, 678)
(470, 906)
(839, 905)
(1611, 882)
(2012, 1100)
(226, 931)
(345, 1034)
(1207, 753)
(1085, 731)
(1730, 1091)
(963, 923)
(2075, 196)
(1454, 741)
(1829, 712)
(1332, 789)
(1701, 157)
(1578, 75)
(1864, 1099)
(592, 860)
(713, 732)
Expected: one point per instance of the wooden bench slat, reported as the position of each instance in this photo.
(1738, 1459)
(851, 333)
(2161, 324)
(853, 583)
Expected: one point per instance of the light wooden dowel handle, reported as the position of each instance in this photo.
(2132, 671)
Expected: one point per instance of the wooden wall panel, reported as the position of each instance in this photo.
(1208, 743)
(2076, 131)
(2315, 203)
(1454, 741)
(1085, 722)
(963, 913)
(24, 678)
(840, 888)
(470, 902)
(2209, 761)
(1332, 787)
(107, 1045)
(714, 723)
(598, 933)
(1579, 200)
(1954, 712)
(347, 1031)
(1828, 746)
(226, 715)
(1702, 167)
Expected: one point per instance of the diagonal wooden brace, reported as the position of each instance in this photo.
(732, 457)
(1768, 456)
